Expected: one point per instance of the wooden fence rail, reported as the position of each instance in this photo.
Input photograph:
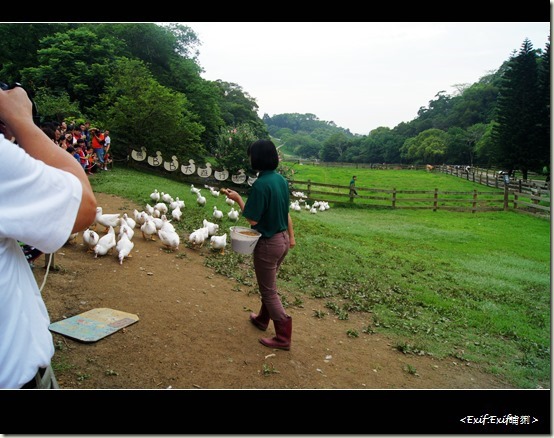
(472, 201)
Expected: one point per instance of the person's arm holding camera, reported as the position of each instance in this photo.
(17, 122)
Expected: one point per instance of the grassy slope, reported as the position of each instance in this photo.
(473, 286)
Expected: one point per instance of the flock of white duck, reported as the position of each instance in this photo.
(154, 221)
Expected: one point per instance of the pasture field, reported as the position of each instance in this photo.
(471, 286)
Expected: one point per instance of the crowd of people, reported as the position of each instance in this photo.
(89, 145)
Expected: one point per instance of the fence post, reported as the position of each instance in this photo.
(394, 197)
(506, 193)
(435, 199)
(309, 186)
(474, 205)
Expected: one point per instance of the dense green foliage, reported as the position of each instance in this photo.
(474, 288)
(143, 82)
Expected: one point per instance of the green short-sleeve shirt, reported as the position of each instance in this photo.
(268, 203)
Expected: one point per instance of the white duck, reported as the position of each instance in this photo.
(219, 242)
(176, 214)
(212, 227)
(167, 198)
(106, 243)
(148, 209)
(91, 238)
(218, 214)
(200, 200)
(229, 201)
(124, 245)
(124, 228)
(166, 224)
(106, 219)
(141, 218)
(130, 221)
(72, 238)
(177, 203)
(161, 207)
(170, 239)
(198, 236)
(155, 195)
(138, 216)
(194, 190)
(214, 192)
(233, 215)
(148, 229)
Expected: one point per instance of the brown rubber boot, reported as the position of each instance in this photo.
(283, 334)
(261, 320)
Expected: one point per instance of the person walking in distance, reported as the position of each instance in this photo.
(34, 171)
(353, 191)
(267, 211)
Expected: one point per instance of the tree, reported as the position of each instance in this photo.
(334, 147)
(238, 107)
(232, 146)
(543, 130)
(519, 114)
(20, 43)
(427, 147)
(77, 62)
(56, 107)
(141, 112)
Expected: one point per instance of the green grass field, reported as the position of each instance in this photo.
(475, 287)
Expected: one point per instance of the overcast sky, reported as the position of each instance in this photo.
(359, 75)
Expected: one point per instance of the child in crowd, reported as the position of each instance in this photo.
(80, 148)
(73, 152)
(92, 165)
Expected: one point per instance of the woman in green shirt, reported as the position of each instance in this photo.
(267, 211)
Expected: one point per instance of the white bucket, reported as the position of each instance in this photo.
(243, 240)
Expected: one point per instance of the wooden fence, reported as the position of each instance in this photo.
(516, 195)
(473, 201)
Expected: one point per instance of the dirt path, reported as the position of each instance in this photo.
(193, 330)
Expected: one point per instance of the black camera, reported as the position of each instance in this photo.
(36, 117)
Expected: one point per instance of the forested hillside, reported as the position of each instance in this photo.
(143, 82)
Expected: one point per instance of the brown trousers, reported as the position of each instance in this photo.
(269, 253)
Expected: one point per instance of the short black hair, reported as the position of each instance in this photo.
(263, 155)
